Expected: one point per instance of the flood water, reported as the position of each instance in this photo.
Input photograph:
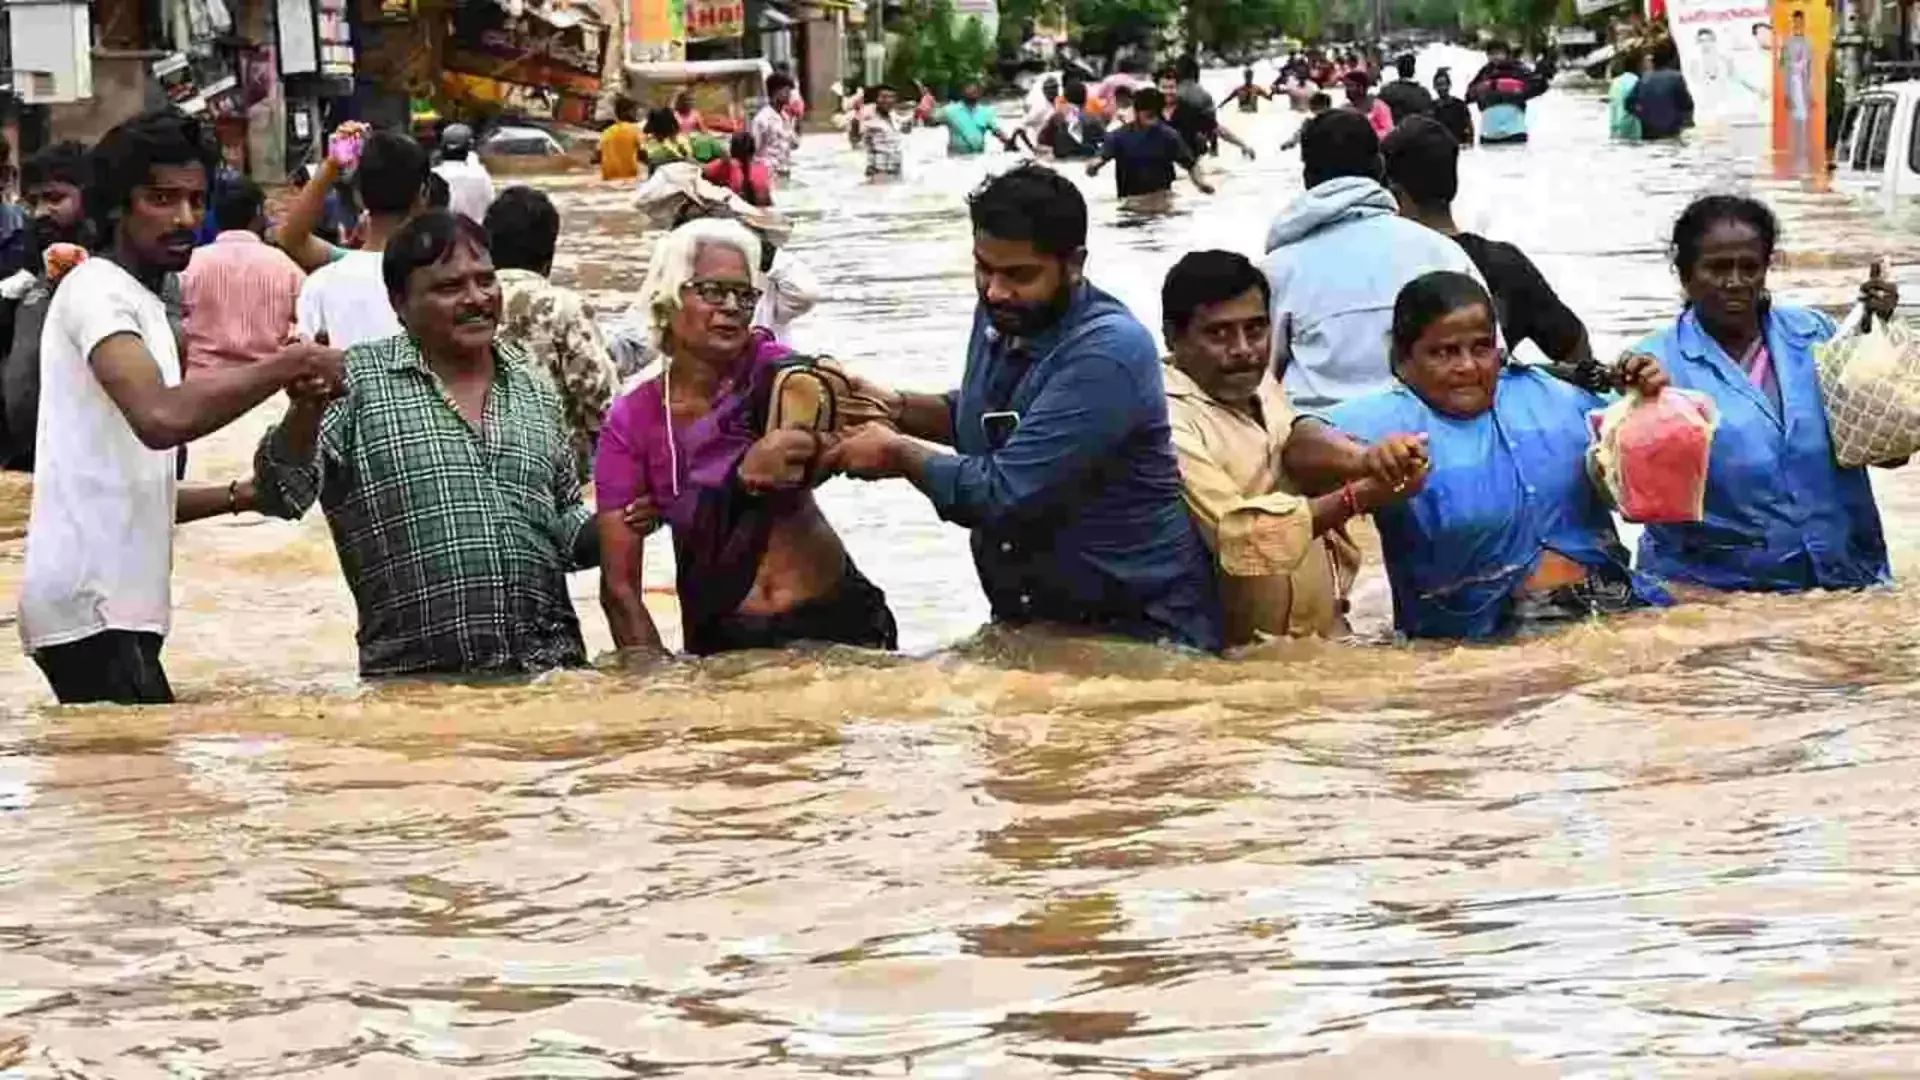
(1680, 843)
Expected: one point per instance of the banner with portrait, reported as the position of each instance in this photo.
(1802, 46)
(1727, 56)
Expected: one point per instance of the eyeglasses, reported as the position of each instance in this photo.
(718, 293)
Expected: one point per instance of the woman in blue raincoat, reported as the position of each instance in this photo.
(1503, 527)
(1781, 516)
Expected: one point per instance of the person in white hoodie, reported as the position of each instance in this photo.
(1336, 259)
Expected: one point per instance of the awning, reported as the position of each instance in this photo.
(1599, 56)
(559, 14)
(680, 71)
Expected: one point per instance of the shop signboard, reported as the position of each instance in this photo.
(656, 31)
(712, 20)
(1726, 55)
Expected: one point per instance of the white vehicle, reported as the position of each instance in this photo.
(520, 141)
(1879, 152)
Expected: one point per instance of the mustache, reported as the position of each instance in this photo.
(176, 237)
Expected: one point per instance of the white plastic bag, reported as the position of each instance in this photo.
(1870, 388)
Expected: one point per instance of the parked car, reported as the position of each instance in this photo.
(518, 140)
(1879, 151)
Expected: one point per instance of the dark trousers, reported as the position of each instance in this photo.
(119, 666)
(854, 613)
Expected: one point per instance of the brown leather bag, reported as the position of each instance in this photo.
(811, 393)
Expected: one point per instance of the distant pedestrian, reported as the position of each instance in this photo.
(1450, 111)
(469, 185)
(620, 142)
(1502, 88)
(774, 134)
(1073, 134)
(1360, 99)
(1621, 123)
(1660, 101)
(883, 137)
(1404, 96)
(1248, 94)
(969, 121)
(1146, 151)
(741, 171)
(237, 296)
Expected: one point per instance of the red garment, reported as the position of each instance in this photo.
(1379, 117)
(753, 184)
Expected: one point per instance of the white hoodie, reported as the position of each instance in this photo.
(1337, 259)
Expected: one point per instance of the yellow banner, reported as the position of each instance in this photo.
(657, 30)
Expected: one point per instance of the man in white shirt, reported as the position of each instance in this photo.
(468, 181)
(95, 599)
(345, 302)
(774, 136)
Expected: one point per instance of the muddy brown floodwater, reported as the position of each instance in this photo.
(1680, 843)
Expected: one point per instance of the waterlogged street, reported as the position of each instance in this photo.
(1675, 844)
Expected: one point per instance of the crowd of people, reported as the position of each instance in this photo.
(449, 406)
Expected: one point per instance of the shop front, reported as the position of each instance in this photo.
(541, 63)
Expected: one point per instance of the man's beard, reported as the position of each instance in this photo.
(1030, 320)
(43, 233)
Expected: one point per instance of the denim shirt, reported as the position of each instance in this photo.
(1076, 513)
(1504, 487)
(1781, 516)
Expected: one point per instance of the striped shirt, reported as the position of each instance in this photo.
(237, 298)
(455, 542)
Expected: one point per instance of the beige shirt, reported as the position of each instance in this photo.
(1275, 577)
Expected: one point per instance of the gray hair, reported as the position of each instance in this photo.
(671, 268)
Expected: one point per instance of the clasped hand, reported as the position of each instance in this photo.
(317, 373)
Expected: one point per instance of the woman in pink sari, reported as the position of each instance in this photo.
(758, 564)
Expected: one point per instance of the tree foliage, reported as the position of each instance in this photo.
(1102, 26)
(937, 47)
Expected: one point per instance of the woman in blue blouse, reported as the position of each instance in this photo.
(1780, 515)
(1506, 527)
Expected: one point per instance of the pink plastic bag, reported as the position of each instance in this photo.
(1652, 454)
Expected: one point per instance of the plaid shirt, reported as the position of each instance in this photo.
(455, 542)
(884, 151)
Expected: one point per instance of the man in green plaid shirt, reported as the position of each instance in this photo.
(446, 475)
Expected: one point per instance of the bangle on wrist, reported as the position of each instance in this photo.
(233, 496)
(1350, 498)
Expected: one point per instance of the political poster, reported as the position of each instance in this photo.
(1726, 53)
(1802, 45)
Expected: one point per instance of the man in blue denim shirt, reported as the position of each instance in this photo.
(1064, 466)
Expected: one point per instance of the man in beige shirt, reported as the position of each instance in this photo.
(1284, 560)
